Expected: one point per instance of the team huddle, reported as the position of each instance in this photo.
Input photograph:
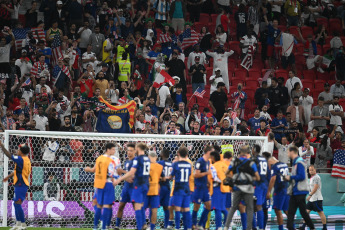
(219, 181)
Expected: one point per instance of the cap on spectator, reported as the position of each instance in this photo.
(197, 58)
(217, 69)
(174, 114)
(66, 57)
(326, 84)
(209, 115)
(104, 64)
(176, 78)
(24, 51)
(229, 109)
(307, 89)
(121, 40)
(59, 3)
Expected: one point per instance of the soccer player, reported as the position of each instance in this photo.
(315, 197)
(22, 170)
(105, 172)
(261, 185)
(128, 185)
(152, 199)
(182, 169)
(218, 169)
(280, 196)
(141, 172)
(164, 192)
(227, 156)
(201, 193)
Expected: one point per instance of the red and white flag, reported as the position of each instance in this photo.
(164, 38)
(248, 59)
(161, 78)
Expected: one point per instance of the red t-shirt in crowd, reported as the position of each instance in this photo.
(224, 21)
(89, 83)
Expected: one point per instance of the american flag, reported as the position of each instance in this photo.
(27, 82)
(199, 92)
(56, 49)
(57, 71)
(164, 38)
(338, 169)
(20, 36)
(39, 34)
(188, 38)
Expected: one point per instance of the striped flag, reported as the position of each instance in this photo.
(188, 38)
(56, 50)
(338, 169)
(247, 61)
(57, 71)
(27, 82)
(20, 36)
(199, 92)
(164, 38)
(39, 34)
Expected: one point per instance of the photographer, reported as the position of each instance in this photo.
(244, 173)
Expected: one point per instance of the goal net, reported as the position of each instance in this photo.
(61, 193)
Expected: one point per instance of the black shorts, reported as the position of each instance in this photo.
(286, 61)
(315, 206)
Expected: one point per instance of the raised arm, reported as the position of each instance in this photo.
(6, 152)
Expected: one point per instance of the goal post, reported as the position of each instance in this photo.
(60, 192)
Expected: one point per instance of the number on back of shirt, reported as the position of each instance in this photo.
(146, 170)
(263, 168)
(283, 172)
(184, 175)
(167, 171)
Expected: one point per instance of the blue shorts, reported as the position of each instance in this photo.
(152, 202)
(139, 194)
(266, 204)
(201, 195)
(228, 200)
(281, 201)
(315, 206)
(180, 201)
(20, 193)
(106, 195)
(260, 194)
(170, 201)
(218, 199)
(94, 194)
(126, 195)
(164, 196)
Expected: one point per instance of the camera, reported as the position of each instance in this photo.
(228, 182)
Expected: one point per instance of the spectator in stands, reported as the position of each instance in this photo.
(285, 99)
(336, 43)
(320, 115)
(337, 89)
(296, 91)
(196, 52)
(290, 83)
(176, 67)
(171, 129)
(24, 63)
(293, 11)
(265, 114)
(279, 125)
(297, 112)
(247, 41)
(177, 14)
(272, 38)
(241, 18)
(306, 102)
(48, 7)
(179, 96)
(31, 16)
(221, 36)
(263, 130)
(215, 79)
(253, 16)
(254, 122)
(337, 113)
(323, 154)
(67, 127)
(339, 60)
(326, 95)
(51, 189)
(287, 42)
(41, 120)
(219, 101)
(275, 96)
(22, 108)
(198, 73)
(162, 94)
(239, 99)
(261, 95)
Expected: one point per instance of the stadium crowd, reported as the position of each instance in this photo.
(272, 69)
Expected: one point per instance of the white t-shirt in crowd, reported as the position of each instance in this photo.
(41, 122)
(246, 41)
(5, 53)
(317, 195)
(268, 147)
(335, 120)
(88, 56)
(164, 92)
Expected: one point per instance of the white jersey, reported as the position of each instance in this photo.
(317, 195)
(116, 166)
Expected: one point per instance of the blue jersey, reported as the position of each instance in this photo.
(181, 171)
(254, 123)
(280, 170)
(127, 167)
(167, 168)
(203, 166)
(263, 171)
(142, 164)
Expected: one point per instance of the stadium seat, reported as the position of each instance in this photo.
(235, 46)
(294, 31)
(335, 25)
(300, 59)
(318, 84)
(232, 64)
(240, 73)
(309, 74)
(306, 30)
(325, 48)
(189, 89)
(250, 93)
(343, 39)
(320, 50)
(251, 83)
(342, 102)
(232, 90)
(331, 82)
(257, 64)
(307, 83)
(299, 48)
(323, 76)
(282, 73)
(204, 19)
(322, 21)
(235, 81)
(254, 73)
(328, 40)
(198, 26)
(211, 28)
(214, 18)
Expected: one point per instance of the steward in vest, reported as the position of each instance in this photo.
(124, 68)
(152, 200)
(298, 189)
(22, 170)
(218, 169)
(120, 49)
(244, 172)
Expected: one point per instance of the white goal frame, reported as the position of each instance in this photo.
(156, 137)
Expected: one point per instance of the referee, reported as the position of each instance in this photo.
(298, 189)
